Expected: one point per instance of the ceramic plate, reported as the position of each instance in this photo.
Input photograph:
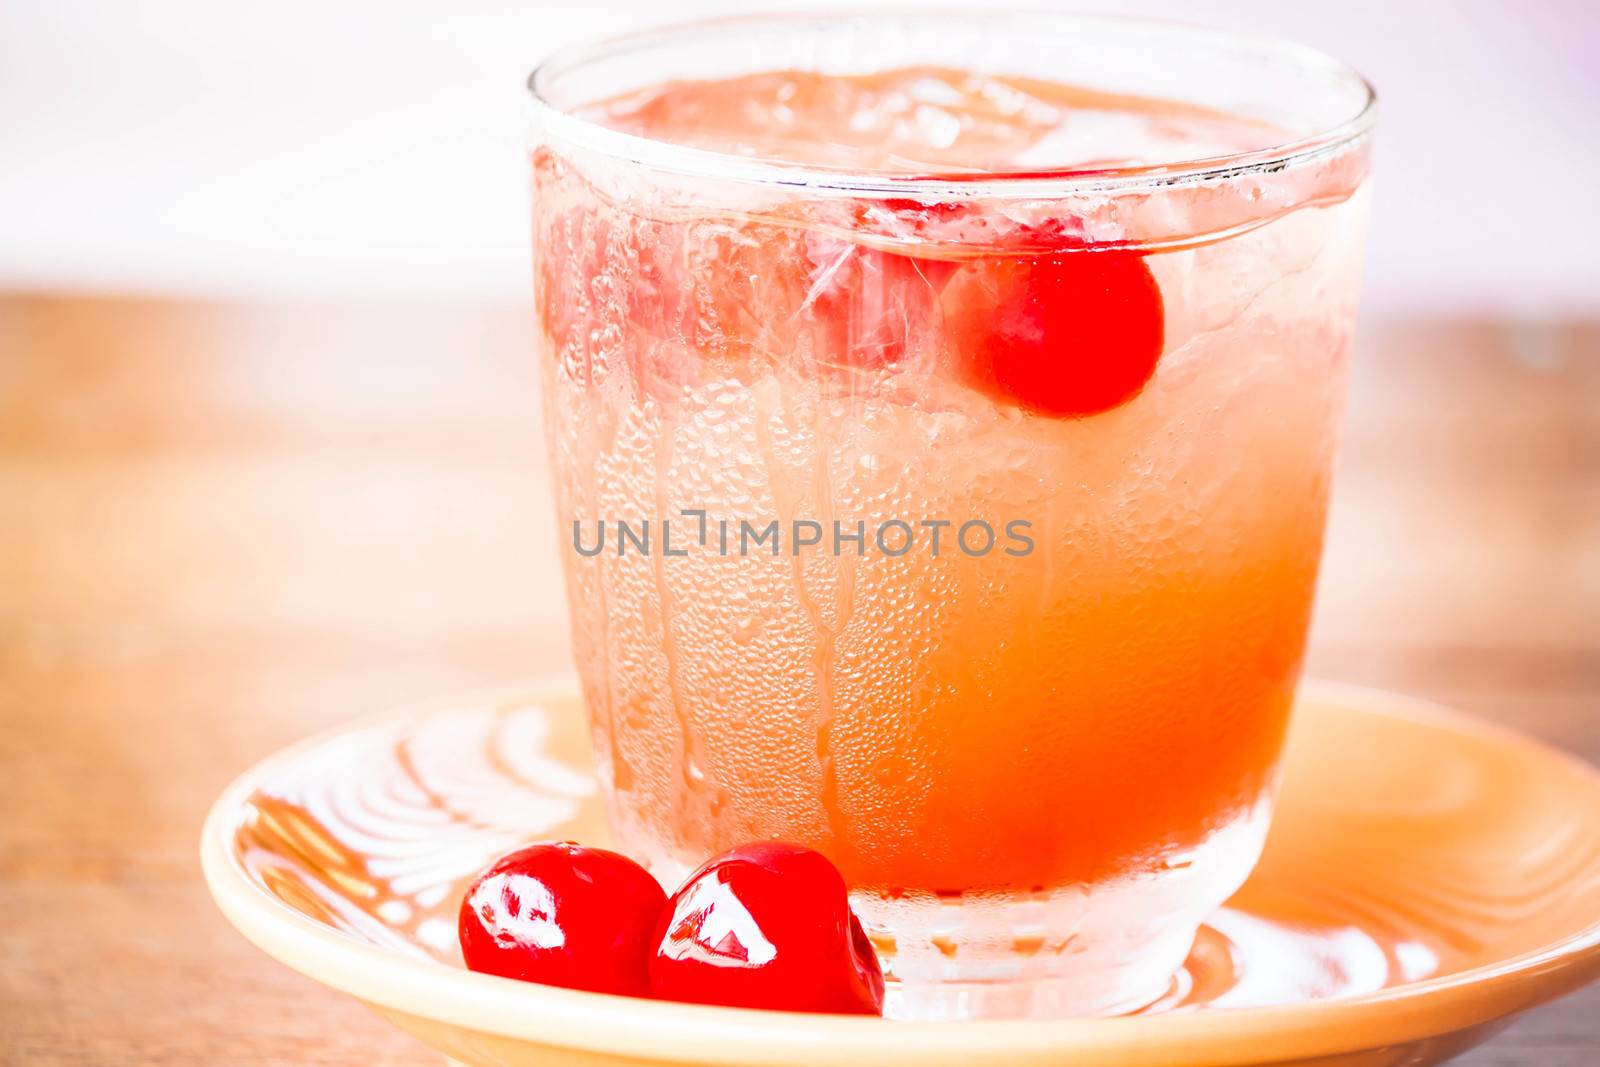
(1427, 877)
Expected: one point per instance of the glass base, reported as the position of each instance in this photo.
(1104, 949)
(1078, 951)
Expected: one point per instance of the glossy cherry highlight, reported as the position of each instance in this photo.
(564, 915)
(766, 925)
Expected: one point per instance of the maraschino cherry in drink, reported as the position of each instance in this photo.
(941, 410)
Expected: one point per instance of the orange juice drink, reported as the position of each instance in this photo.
(942, 411)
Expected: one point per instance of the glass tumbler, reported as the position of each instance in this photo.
(958, 520)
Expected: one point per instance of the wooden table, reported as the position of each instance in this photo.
(223, 527)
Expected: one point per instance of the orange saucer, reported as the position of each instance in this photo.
(1427, 877)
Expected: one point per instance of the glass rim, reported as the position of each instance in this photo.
(689, 161)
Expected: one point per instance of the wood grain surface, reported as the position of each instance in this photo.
(225, 526)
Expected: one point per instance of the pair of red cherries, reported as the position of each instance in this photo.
(764, 925)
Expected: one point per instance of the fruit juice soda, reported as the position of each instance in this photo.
(941, 413)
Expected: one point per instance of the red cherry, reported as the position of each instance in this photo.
(766, 925)
(563, 915)
(1065, 334)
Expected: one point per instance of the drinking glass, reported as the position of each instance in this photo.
(961, 522)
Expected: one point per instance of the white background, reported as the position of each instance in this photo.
(351, 147)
